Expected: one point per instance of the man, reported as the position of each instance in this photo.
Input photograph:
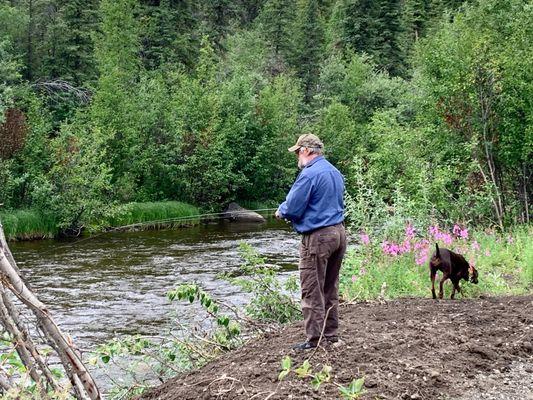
(315, 207)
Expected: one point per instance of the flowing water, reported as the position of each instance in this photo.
(115, 284)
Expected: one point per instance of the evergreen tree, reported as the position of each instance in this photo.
(67, 48)
(169, 34)
(309, 45)
(373, 27)
(277, 18)
(112, 108)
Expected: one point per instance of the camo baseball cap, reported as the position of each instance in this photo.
(307, 140)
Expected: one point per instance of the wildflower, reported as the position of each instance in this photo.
(409, 231)
(510, 239)
(487, 253)
(463, 234)
(354, 278)
(475, 245)
(362, 272)
(456, 230)
(434, 230)
(365, 239)
(445, 237)
(421, 259)
(405, 247)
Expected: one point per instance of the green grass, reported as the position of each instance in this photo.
(504, 262)
(28, 224)
(31, 224)
(154, 215)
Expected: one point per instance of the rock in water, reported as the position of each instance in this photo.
(235, 212)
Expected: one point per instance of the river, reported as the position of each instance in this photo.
(115, 284)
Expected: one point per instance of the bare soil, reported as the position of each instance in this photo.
(405, 349)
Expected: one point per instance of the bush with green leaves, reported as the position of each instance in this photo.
(271, 300)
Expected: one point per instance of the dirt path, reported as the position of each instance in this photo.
(406, 349)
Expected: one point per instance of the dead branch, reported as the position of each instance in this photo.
(83, 383)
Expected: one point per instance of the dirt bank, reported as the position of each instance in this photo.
(406, 349)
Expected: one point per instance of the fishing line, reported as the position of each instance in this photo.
(200, 217)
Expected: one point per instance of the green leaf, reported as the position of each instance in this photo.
(283, 374)
(304, 370)
(286, 363)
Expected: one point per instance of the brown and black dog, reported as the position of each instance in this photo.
(453, 267)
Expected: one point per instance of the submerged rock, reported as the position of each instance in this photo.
(235, 212)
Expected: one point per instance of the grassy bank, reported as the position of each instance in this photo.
(153, 215)
(32, 224)
(397, 266)
(28, 225)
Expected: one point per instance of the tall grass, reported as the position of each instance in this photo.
(383, 266)
(154, 215)
(28, 224)
(32, 224)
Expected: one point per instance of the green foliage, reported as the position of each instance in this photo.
(227, 334)
(168, 212)
(9, 73)
(198, 102)
(271, 300)
(354, 389)
(23, 386)
(276, 21)
(28, 224)
(286, 365)
(76, 190)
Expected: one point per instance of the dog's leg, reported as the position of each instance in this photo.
(455, 287)
(441, 283)
(432, 274)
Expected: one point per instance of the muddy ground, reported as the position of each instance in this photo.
(405, 349)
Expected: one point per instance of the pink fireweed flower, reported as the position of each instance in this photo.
(456, 230)
(463, 234)
(392, 249)
(434, 230)
(510, 239)
(409, 231)
(405, 247)
(421, 260)
(354, 278)
(365, 239)
(475, 245)
(487, 253)
(420, 245)
(445, 237)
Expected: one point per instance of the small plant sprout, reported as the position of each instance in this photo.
(323, 376)
(354, 389)
(304, 370)
(286, 365)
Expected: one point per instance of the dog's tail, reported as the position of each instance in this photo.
(437, 252)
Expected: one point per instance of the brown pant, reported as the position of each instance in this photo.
(321, 254)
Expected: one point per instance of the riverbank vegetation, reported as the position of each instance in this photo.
(116, 102)
(33, 224)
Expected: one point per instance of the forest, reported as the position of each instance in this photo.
(424, 105)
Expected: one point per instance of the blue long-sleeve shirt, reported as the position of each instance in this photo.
(316, 197)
